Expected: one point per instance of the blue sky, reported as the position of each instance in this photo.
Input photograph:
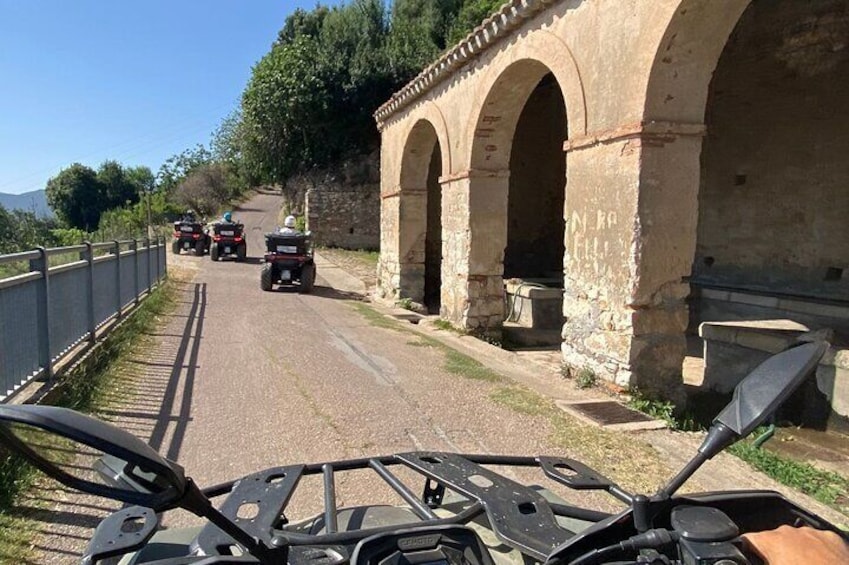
(90, 80)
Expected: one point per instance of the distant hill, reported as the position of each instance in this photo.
(29, 201)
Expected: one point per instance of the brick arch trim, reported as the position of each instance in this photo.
(416, 134)
(522, 65)
(685, 58)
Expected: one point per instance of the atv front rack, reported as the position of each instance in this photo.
(519, 515)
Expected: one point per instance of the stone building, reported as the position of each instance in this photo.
(668, 161)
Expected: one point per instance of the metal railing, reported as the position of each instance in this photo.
(47, 311)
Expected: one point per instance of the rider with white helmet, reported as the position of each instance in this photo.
(288, 227)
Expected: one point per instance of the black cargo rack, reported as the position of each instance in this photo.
(519, 515)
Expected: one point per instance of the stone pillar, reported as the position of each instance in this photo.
(388, 265)
(474, 228)
(668, 222)
(403, 225)
(631, 212)
(412, 231)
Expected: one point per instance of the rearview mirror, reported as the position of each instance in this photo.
(769, 385)
(755, 399)
(92, 456)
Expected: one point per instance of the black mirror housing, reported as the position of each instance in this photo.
(166, 481)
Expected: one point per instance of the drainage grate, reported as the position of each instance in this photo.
(608, 412)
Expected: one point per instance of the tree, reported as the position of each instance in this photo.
(117, 188)
(205, 190)
(177, 167)
(75, 194)
(470, 16)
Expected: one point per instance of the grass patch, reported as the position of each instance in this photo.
(375, 318)
(523, 400)
(633, 463)
(585, 378)
(447, 326)
(466, 367)
(663, 410)
(829, 488)
(83, 388)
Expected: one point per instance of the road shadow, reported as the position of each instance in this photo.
(152, 399)
(336, 294)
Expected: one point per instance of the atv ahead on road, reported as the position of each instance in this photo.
(190, 235)
(468, 512)
(288, 261)
(228, 240)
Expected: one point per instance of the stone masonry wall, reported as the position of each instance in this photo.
(341, 205)
(773, 204)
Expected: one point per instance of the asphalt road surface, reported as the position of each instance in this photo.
(237, 380)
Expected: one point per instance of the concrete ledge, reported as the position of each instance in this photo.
(733, 349)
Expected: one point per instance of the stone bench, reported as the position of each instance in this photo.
(733, 349)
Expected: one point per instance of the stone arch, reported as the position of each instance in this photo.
(425, 159)
(510, 214)
(733, 158)
(685, 59)
(427, 114)
(505, 88)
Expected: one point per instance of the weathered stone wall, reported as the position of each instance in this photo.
(341, 205)
(774, 204)
(349, 219)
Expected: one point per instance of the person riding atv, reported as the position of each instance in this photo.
(288, 259)
(190, 234)
(228, 239)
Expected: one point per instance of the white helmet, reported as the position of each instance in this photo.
(289, 222)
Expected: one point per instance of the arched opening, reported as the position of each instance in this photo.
(517, 183)
(420, 230)
(433, 235)
(773, 203)
(763, 234)
(536, 194)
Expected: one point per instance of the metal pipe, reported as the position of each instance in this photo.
(330, 524)
(421, 510)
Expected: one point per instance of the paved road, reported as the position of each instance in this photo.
(237, 380)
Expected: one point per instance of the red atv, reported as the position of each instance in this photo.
(288, 261)
(189, 235)
(228, 240)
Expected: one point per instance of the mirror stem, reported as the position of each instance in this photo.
(718, 438)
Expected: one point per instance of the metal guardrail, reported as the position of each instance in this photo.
(48, 311)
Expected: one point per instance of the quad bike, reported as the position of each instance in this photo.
(190, 235)
(288, 261)
(228, 240)
(467, 513)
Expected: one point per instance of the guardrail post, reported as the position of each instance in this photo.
(149, 266)
(158, 264)
(118, 305)
(134, 246)
(43, 311)
(88, 255)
